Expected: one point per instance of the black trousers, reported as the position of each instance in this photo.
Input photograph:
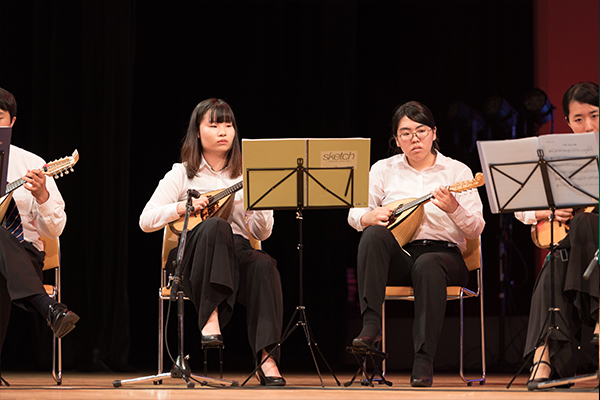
(576, 297)
(429, 269)
(220, 269)
(20, 276)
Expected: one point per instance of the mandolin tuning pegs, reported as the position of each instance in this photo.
(55, 176)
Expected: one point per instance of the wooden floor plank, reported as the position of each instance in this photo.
(28, 386)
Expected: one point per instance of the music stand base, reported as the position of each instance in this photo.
(312, 344)
(303, 322)
(560, 382)
(202, 380)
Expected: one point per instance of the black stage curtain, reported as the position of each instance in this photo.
(70, 66)
(118, 80)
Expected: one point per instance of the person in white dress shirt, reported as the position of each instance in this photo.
(219, 265)
(575, 297)
(432, 259)
(41, 211)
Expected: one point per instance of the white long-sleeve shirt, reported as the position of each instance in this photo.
(46, 219)
(526, 217)
(173, 188)
(394, 179)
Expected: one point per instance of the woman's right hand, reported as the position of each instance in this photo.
(199, 204)
(560, 214)
(377, 216)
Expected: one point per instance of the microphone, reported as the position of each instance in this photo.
(194, 193)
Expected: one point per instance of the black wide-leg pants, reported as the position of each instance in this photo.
(576, 297)
(20, 276)
(220, 268)
(429, 269)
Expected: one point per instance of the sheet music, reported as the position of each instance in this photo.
(514, 180)
(336, 173)
(557, 147)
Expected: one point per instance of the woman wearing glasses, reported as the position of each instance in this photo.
(432, 259)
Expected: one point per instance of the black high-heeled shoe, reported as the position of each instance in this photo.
(269, 380)
(532, 384)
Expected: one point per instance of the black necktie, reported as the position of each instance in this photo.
(13, 221)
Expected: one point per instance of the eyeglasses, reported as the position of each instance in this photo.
(420, 133)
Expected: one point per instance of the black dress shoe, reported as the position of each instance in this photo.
(421, 381)
(269, 380)
(61, 319)
(422, 371)
(366, 340)
(211, 340)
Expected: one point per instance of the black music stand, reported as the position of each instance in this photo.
(181, 368)
(300, 172)
(550, 175)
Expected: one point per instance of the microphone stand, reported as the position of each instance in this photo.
(181, 368)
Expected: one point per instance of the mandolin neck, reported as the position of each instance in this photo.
(224, 193)
(14, 185)
(403, 207)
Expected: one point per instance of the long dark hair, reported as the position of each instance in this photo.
(582, 92)
(417, 112)
(191, 149)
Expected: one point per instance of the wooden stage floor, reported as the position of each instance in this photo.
(33, 386)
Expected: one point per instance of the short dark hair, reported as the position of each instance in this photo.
(191, 150)
(582, 92)
(8, 103)
(417, 112)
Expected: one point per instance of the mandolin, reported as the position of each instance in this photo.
(220, 204)
(406, 215)
(56, 169)
(540, 233)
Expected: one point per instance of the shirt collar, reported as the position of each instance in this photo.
(439, 164)
(205, 165)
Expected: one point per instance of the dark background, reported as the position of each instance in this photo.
(118, 81)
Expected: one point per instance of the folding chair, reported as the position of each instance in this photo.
(52, 261)
(472, 257)
(170, 241)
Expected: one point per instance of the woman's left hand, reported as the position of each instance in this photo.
(444, 200)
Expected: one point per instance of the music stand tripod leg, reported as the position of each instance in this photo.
(311, 336)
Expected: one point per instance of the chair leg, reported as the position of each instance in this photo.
(221, 361)
(56, 342)
(205, 348)
(483, 366)
(384, 363)
(57, 360)
(160, 333)
(481, 380)
(205, 361)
